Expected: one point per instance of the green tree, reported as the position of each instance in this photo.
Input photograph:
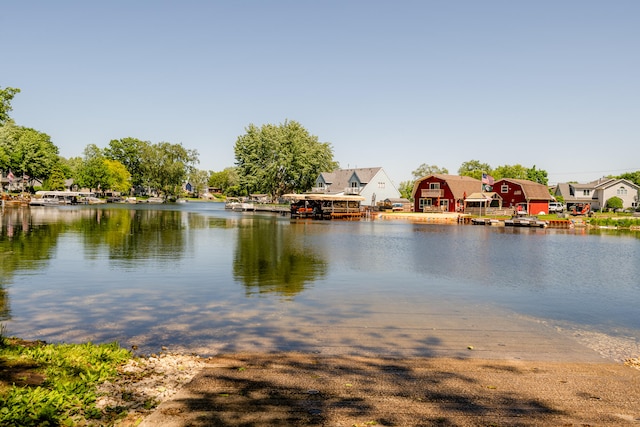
(631, 176)
(474, 169)
(56, 179)
(166, 166)
(6, 96)
(509, 171)
(614, 203)
(406, 189)
(426, 170)
(93, 173)
(9, 134)
(280, 159)
(225, 179)
(27, 152)
(119, 176)
(129, 151)
(537, 175)
(199, 180)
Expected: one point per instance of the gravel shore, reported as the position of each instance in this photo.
(147, 382)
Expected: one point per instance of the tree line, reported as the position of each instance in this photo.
(270, 159)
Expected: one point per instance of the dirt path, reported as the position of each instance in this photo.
(291, 389)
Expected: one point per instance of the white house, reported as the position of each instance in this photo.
(597, 193)
(371, 183)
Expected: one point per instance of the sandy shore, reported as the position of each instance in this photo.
(292, 389)
(537, 376)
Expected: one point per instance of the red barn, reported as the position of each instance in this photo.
(523, 195)
(443, 193)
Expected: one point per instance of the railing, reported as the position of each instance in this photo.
(324, 189)
(432, 192)
(352, 190)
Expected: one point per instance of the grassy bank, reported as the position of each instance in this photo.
(55, 384)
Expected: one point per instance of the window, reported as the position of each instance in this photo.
(424, 203)
(504, 188)
(622, 191)
(381, 184)
(354, 184)
(434, 186)
(586, 192)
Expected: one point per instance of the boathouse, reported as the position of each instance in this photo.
(325, 206)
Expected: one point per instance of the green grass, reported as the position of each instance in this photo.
(54, 384)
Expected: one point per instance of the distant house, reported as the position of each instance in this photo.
(596, 193)
(371, 183)
(521, 194)
(443, 193)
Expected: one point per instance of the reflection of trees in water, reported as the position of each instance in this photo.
(24, 245)
(28, 236)
(134, 234)
(269, 258)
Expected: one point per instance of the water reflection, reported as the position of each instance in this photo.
(271, 257)
(201, 276)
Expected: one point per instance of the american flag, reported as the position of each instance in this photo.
(487, 179)
(11, 176)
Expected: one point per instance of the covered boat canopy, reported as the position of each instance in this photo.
(322, 197)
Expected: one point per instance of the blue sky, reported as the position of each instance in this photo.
(555, 84)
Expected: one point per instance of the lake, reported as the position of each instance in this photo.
(195, 277)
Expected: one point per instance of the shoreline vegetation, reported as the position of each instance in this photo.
(90, 384)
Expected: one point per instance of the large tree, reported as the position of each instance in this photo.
(225, 180)
(631, 176)
(474, 169)
(510, 171)
(280, 159)
(166, 166)
(537, 175)
(119, 176)
(129, 151)
(93, 173)
(6, 96)
(27, 152)
(199, 180)
(426, 170)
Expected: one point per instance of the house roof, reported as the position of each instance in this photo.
(340, 177)
(532, 190)
(611, 182)
(564, 189)
(459, 185)
(483, 197)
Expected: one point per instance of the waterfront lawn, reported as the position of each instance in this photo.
(54, 384)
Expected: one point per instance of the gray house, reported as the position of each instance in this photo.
(371, 183)
(596, 193)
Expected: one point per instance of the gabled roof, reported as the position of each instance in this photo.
(532, 190)
(339, 178)
(611, 182)
(459, 185)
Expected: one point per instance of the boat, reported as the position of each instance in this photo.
(56, 198)
(525, 221)
(236, 204)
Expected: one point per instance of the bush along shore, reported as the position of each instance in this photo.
(84, 384)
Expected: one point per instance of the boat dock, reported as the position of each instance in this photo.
(325, 206)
